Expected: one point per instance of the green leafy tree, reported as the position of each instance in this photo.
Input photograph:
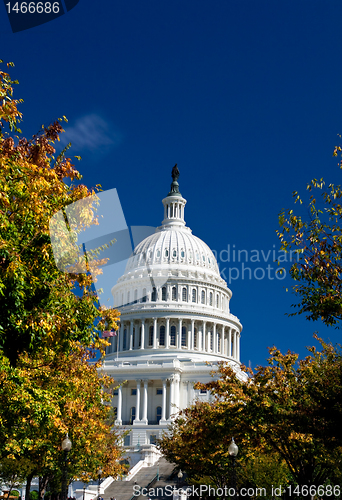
(318, 239)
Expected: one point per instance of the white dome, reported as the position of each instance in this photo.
(175, 247)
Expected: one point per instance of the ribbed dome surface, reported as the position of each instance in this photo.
(173, 246)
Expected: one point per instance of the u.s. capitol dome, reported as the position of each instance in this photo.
(175, 325)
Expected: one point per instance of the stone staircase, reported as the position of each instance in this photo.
(123, 490)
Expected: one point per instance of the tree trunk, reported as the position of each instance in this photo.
(43, 481)
(28, 485)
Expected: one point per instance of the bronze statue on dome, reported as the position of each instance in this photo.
(175, 173)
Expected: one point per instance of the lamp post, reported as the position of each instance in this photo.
(98, 488)
(233, 451)
(66, 447)
(179, 475)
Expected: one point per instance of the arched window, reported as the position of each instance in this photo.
(174, 253)
(159, 413)
(195, 337)
(150, 337)
(193, 295)
(158, 253)
(164, 293)
(182, 254)
(144, 295)
(203, 297)
(173, 335)
(211, 299)
(166, 252)
(154, 294)
(183, 336)
(124, 343)
(132, 415)
(174, 293)
(134, 346)
(162, 335)
(184, 295)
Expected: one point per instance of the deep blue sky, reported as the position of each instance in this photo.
(244, 95)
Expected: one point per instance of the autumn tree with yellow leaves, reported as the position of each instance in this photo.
(49, 383)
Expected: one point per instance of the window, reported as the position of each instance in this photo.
(159, 391)
(140, 337)
(174, 293)
(158, 253)
(203, 391)
(211, 340)
(132, 417)
(193, 295)
(211, 298)
(116, 392)
(164, 293)
(166, 252)
(124, 339)
(153, 439)
(150, 338)
(203, 297)
(127, 440)
(162, 335)
(144, 295)
(133, 392)
(173, 335)
(183, 336)
(154, 294)
(134, 338)
(217, 301)
(159, 413)
(184, 295)
(182, 254)
(219, 341)
(174, 253)
(195, 337)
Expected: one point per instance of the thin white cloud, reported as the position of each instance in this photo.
(91, 132)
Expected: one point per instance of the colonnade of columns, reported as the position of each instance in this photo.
(142, 397)
(193, 335)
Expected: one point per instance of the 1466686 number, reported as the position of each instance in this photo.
(33, 7)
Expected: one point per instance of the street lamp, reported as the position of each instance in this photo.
(179, 475)
(98, 489)
(66, 447)
(233, 451)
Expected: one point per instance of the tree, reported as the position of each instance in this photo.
(39, 306)
(318, 240)
(290, 408)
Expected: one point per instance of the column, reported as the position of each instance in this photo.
(229, 342)
(234, 344)
(193, 334)
(189, 344)
(122, 327)
(144, 417)
(163, 417)
(177, 399)
(172, 397)
(118, 415)
(142, 346)
(203, 336)
(238, 347)
(222, 340)
(131, 336)
(167, 343)
(137, 406)
(199, 338)
(214, 339)
(180, 334)
(154, 333)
